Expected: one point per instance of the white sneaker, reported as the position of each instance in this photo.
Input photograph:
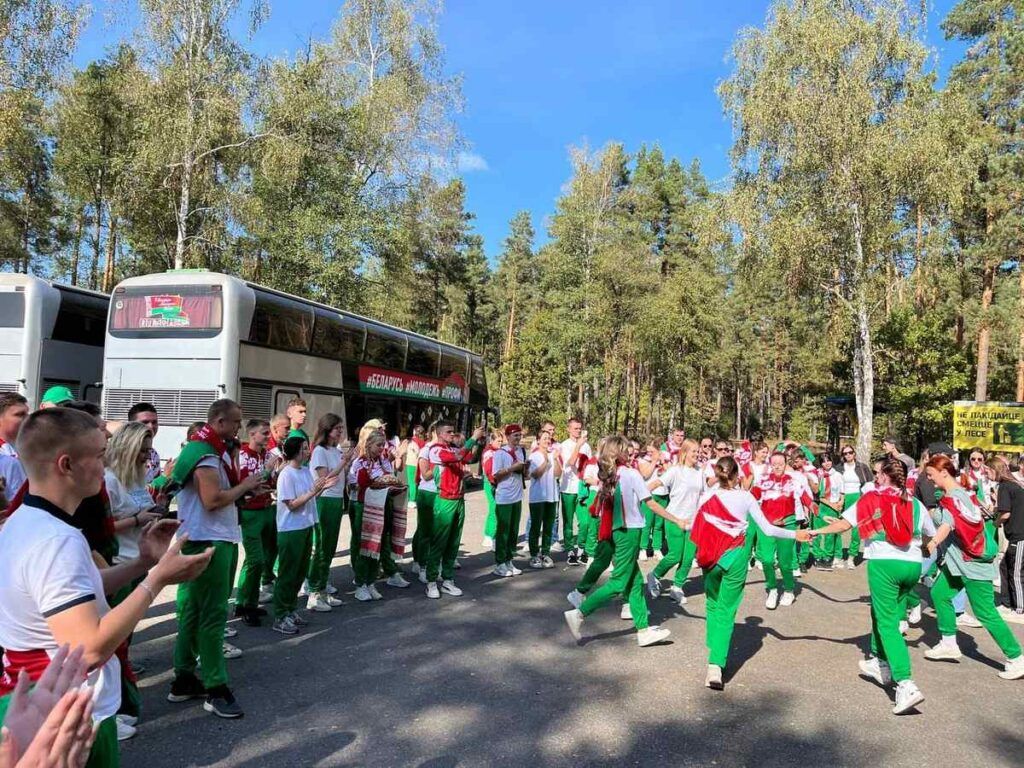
(651, 635)
(797, 573)
(396, 580)
(458, 565)
(657, 555)
(432, 592)
(363, 594)
(839, 564)
(487, 542)
(575, 598)
(415, 567)
(944, 651)
(771, 602)
(556, 546)
(318, 604)
(626, 614)
(536, 562)
(575, 621)
(877, 670)
(423, 575)
(653, 586)
(449, 588)
(330, 599)
(266, 595)
(787, 599)
(713, 680)
(511, 568)
(1013, 670)
(547, 562)
(1010, 616)
(851, 565)
(500, 570)
(130, 719)
(124, 730)
(231, 651)
(908, 696)
(643, 556)
(967, 620)
(304, 590)
(904, 628)
(759, 565)
(914, 616)
(230, 632)
(676, 593)
(297, 620)
(374, 593)
(285, 626)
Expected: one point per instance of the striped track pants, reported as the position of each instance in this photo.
(1013, 575)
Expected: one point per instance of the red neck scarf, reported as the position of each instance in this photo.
(205, 434)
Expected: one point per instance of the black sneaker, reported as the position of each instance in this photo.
(252, 619)
(220, 701)
(573, 558)
(258, 611)
(185, 687)
(823, 565)
(584, 558)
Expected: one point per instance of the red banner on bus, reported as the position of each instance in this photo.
(381, 381)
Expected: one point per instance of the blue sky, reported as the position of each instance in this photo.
(539, 77)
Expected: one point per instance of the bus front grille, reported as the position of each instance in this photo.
(175, 407)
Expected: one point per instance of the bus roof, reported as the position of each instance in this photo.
(200, 276)
(20, 279)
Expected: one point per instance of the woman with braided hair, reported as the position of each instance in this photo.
(891, 524)
(620, 522)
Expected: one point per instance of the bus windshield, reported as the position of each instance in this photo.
(12, 309)
(185, 310)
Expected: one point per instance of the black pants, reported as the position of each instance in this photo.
(1011, 576)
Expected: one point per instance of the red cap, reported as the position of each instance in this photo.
(510, 428)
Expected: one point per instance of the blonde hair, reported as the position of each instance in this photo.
(123, 454)
(687, 444)
(611, 455)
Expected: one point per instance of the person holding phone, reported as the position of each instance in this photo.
(256, 512)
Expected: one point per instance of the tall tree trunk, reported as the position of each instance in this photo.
(77, 250)
(182, 214)
(97, 243)
(863, 352)
(1020, 332)
(108, 267)
(984, 332)
(739, 410)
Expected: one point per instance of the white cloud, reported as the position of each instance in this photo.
(470, 162)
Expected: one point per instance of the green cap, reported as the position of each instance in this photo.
(57, 396)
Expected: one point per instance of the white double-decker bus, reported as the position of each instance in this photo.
(182, 339)
(50, 334)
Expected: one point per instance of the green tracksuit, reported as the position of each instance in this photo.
(850, 500)
(980, 594)
(449, 515)
(508, 530)
(825, 548)
(330, 510)
(890, 582)
(424, 526)
(256, 524)
(681, 552)
(723, 589)
(569, 503)
(626, 579)
(542, 521)
(587, 540)
(768, 547)
(293, 553)
(653, 536)
(491, 523)
(202, 610)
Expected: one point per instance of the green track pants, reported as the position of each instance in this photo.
(257, 524)
(681, 552)
(293, 555)
(202, 612)
(981, 595)
(446, 537)
(507, 536)
(326, 532)
(723, 590)
(767, 549)
(542, 521)
(626, 579)
(889, 583)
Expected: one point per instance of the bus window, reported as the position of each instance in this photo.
(422, 358)
(281, 323)
(80, 320)
(477, 380)
(453, 362)
(12, 309)
(384, 348)
(337, 337)
(167, 311)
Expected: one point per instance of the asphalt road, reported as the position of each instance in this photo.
(494, 678)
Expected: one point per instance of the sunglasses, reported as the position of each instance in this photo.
(847, 453)
(977, 458)
(723, 450)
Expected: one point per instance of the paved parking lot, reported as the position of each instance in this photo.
(494, 679)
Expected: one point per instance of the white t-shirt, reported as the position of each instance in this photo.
(46, 568)
(291, 484)
(8, 449)
(126, 502)
(543, 488)
(883, 550)
(13, 474)
(685, 486)
(634, 493)
(510, 489)
(200, 523)
(329, 459)
(569, 481)
(429, 453)
(851, 483)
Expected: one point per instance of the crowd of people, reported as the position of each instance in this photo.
(94, 525)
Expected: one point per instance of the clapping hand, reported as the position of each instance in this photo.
(50, 725)
(155, 539)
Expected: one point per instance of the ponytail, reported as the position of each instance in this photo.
(611, 455)
(896, 471)
(727, 471)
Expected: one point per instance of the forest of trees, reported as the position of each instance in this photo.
(863, 264)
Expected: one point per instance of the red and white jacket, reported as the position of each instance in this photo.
(779, 496)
